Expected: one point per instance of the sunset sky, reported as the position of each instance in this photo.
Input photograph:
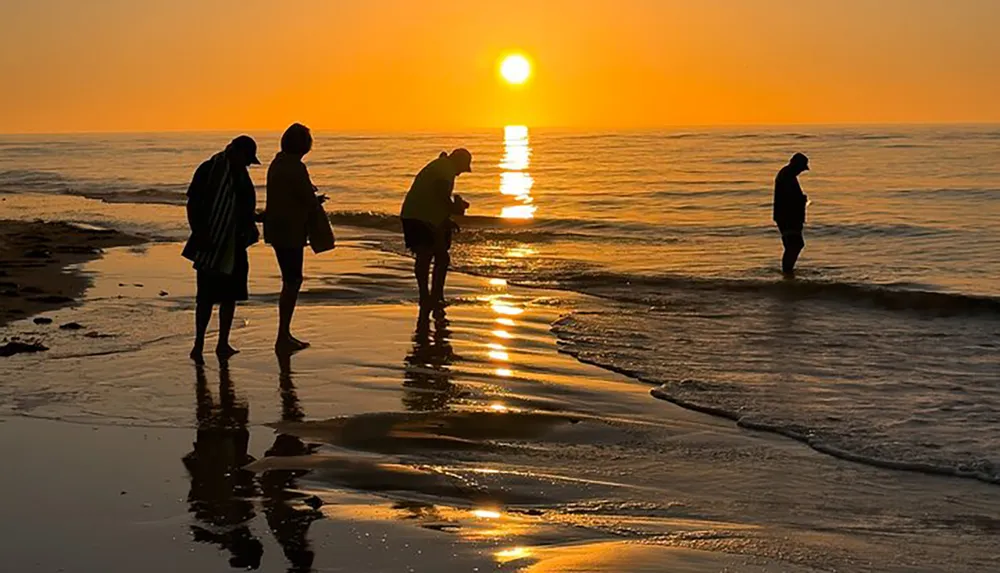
(149, 65)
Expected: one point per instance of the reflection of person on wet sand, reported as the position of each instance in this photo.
(427, 378)
(220, 489)
(220, 208)
(427, 224)
(287, 517)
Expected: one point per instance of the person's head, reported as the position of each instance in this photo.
(297, 140)
(242, 151)
(461, 159)
(799, 162)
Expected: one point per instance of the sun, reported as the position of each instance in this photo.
(515, 69)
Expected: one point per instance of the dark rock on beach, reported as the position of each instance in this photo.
(13, 347)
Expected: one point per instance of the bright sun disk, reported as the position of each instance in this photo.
(515, 69)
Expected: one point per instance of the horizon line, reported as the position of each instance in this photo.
(383, 131)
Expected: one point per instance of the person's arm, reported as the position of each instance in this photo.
(196, 215)
(443, 188)
(249, 208)
(304, 192)
(800, 202)
(780, 214)
(797, 190)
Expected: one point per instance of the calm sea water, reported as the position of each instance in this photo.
(885, 349)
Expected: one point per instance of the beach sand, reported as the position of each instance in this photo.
(471, 445)
(33, 255)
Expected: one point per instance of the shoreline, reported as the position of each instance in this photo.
(480, 444)
(35, 261)
(62, 242)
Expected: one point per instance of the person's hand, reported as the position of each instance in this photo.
(454, 226)
(458, 205)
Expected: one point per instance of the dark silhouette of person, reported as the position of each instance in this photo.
(426, 216)
(790, 210)
(427, 377)
(287, 517)
(221, 491)
(220, 208)
(291, 203)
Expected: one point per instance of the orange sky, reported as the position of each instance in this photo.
(148, 65)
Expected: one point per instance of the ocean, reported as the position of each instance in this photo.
(885, 349)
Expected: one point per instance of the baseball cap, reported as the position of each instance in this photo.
(462, 159)
(248, 146)
(800, 160)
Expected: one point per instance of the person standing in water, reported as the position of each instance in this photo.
(790, 210)
(427, 225)
(220, 208)
(292, 209)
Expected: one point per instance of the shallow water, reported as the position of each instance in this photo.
(886, 348)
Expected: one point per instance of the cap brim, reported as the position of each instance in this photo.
(255, 161)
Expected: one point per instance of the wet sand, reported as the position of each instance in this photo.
(33, 259)
(467, 444)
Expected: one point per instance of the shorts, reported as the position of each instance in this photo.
(290, 261)
(215, 287)
(791, 238)
(422, 236)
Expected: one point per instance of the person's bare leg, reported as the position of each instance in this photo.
(202, 316)
(441, 262)
(422, 270)
(286, 309)
(793, 244)
(227, 311)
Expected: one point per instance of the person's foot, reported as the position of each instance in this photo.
(224, 351)
(196, 355)
(288, 344)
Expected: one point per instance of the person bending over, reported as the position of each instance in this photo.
(427, 224)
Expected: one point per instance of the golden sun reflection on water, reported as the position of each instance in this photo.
(486, 513)
(512, 554)
(515, 180)
(501, 308)
(497, 349)
(520, 252)
(499, 355)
